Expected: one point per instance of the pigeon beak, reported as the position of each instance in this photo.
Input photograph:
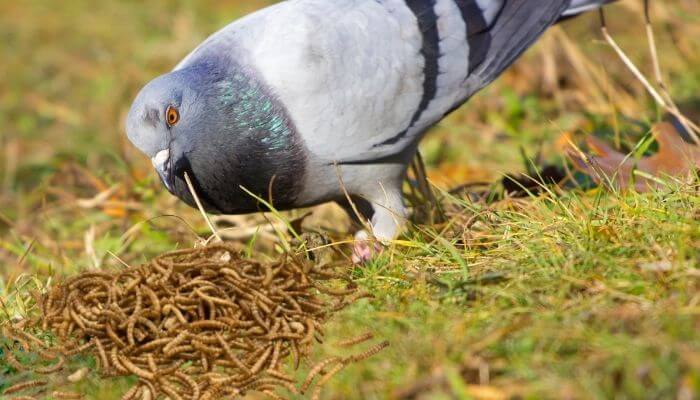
(161, 162)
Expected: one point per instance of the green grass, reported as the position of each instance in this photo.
(576, 293)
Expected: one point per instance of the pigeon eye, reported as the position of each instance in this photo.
(172, 115)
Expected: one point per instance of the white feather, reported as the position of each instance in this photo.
(490, 9)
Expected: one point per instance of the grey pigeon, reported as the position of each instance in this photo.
(290, 99)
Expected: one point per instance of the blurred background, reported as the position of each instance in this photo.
(74, 190)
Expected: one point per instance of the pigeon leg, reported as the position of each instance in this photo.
(388, 218)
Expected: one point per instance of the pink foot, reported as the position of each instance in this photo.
(365, 248)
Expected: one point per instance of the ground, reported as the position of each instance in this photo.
(577, 292)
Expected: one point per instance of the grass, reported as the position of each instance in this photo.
(577, 293)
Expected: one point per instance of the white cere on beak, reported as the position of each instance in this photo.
(160, 159)
(160, 162)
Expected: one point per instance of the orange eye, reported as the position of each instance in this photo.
(172, 115)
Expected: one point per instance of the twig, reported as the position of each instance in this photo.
(689, 126)
(667, 103)
(630, 65)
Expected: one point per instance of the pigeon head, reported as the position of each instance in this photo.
(222, 127)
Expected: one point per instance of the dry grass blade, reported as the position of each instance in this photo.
(190, 186)
(666, 103)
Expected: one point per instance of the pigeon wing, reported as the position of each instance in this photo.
(465, 45)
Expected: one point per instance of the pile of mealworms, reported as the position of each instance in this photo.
(191, 324)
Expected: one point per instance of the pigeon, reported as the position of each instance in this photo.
(312, 101)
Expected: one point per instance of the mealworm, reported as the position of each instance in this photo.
(149, 391)
(335, 292)
(192, 384)
(95, 294)
(275, 355)
(231, 356)
(169, 307)
(172, 368)
(80, 308)
(186, 301)
(315, 371)
(66, 395)
(269, 275)
(232, 323)
(133, 285)
(201, 312)
(104, 362)
(173, 351)
(284, 335)
(205, 362)
(297, 354)
(153, 344)
(46, 355)
(369, 352)
(279, 375)
(24, 386)
(131, 393)
(93, 326)
(209, 324)
(13, 362)
(267, 383)
(52, 368)
(257, 316)
(316, 394)
(272, 395)
(113, 336)
(207, 338)
(114, 307)
(215, 300)
(153, 299)
(205, 349)
(79, 349)
(309, 304)
(191, 307)
(327, 377)
(356, 340)
(310, 329)
(363, 295)
(130, 330)
(170, 391)
(181, 337)
(134, 369)
(150, 325)
(194, 283)
(261, 361)
(116, 362)
(152, 363)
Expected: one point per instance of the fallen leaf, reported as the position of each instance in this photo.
(675, 157)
